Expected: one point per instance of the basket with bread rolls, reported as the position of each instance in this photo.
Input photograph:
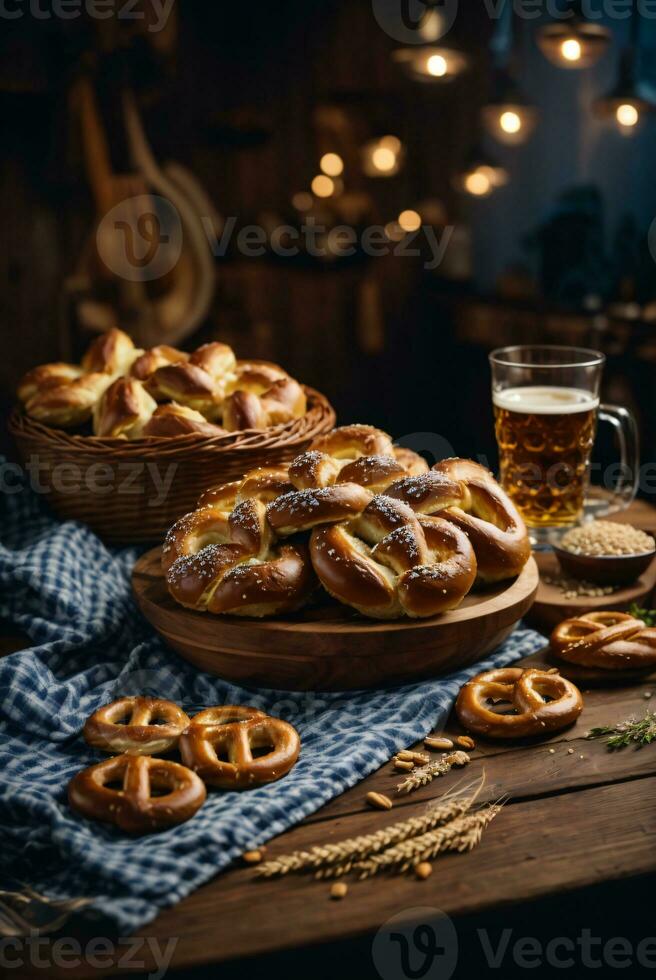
(124, 439)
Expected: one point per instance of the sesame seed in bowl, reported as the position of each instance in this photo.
(605, 552)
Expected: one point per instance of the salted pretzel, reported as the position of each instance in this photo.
(537, 702)
(219, 746)
(133, 807)
(234, 565)
(607, 640)
(350, 442)
(136, 725)
(389, 562)
(490, 519)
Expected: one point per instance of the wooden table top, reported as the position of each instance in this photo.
(577, 816)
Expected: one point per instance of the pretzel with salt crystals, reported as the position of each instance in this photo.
(607, 640)
(219, 746)
(389, 562)
(134, 808)
(137, 725)
(482, 700)
(234, 564)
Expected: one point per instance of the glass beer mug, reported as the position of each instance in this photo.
(546, 407)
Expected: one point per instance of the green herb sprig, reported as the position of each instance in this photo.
(641, 731)
(648, 616)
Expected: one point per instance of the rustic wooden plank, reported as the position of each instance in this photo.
(559, 843)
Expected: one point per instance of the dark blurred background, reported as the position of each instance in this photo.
(544, 240)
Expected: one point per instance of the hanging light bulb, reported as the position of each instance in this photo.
(574, 43)
(508, 116)
(625, 104)
(383, 156)
(481, 175)
(429, 63)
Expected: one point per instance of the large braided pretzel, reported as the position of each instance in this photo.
(133, 807)
(490, 519)
(137, 725)
(234, 564)
(388, 562)
(220, 744)
(512, 703)
(608, 640)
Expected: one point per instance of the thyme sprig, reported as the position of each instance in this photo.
(641, 731)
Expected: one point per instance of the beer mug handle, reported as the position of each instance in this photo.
(626, 429)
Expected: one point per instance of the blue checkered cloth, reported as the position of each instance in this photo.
(71, 595)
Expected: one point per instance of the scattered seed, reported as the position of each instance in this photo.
(552, 751)
(379, 801)
(404, 765)
(465, 742)
(338, 890)
(424, 870)
(647, 695)
(253, 857)
(441, 744)
(570, 751)
(581, 757)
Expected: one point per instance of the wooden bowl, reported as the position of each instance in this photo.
(328, 647)
(604, 569)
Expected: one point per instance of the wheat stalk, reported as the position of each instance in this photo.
(426, 774)
(460, 834)
(334, 860)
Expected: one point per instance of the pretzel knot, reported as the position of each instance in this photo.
(136, 725)
(234, 564)
(133, 807)
(237, 748)
(515, 703)
(388, 561)
(607, 640)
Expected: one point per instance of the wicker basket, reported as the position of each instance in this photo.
(131, 492)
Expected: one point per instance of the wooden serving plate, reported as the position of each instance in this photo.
(328, 646)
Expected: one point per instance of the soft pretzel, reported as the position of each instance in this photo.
(283, 401)
(206, 744)
(608, 640)
(134, 808)
(234, 565)
(350, 442)
(263, 483)
(137, 725)
(39, 379)
(523, 693)
(179, 420)
(123, 410)
(187, 384)
(495, 528)
(71, 404)
(389, 562)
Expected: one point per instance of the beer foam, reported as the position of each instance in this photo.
(545, 400)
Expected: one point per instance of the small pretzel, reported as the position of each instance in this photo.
(133, 808)
(136, 725)
(607, 640)
(525, 692)
(219, 744)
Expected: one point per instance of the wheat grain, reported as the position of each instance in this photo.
(440, 767)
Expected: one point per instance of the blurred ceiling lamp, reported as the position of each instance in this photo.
(481, 176)
(382, 157)
(576, 42)
(409, 220)
(332, 164)
(431, 63)
(508, 116)
(625, 103)
(323, 186)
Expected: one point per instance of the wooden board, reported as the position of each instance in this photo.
(329, 647)
(551, 607)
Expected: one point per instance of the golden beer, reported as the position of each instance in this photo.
(545, 436)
